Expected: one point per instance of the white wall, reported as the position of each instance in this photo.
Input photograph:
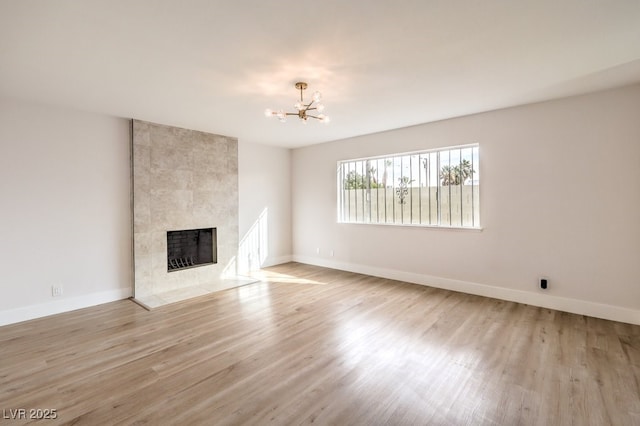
(65, 213)
(265, 205)
(560, 197)
(65, 217)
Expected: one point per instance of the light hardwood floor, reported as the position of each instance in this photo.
(315, 345)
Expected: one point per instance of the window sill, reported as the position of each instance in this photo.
(415, 225)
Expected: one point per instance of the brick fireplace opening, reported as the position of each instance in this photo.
(191, 248)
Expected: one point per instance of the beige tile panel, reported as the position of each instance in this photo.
(183, 179)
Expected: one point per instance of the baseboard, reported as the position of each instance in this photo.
(62, 305)
(581, 307)
(70, 304)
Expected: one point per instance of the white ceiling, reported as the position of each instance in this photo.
(216, 65)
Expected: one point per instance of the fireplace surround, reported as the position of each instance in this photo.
(182, 180)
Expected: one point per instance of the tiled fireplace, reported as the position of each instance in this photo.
(183, 180)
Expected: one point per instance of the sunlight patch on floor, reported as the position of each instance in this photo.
(275, 277)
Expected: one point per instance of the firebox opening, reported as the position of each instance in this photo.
(191, 248)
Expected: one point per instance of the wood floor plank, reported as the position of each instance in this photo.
(309, 345)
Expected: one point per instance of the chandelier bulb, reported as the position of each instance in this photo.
(320, 107)
(298, 106)
(268, 112)
(317, 96)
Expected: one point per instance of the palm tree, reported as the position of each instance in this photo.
(371, 176)
(385, 175)
(456, 175)
(425, 164)
(447, 175)
(465, 171)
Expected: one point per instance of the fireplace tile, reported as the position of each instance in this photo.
(183, 179)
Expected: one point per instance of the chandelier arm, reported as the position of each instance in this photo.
(308, 107)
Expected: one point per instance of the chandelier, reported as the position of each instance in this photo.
(305, 111)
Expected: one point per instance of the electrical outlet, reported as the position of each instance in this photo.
(331, 253)
(56, 290)
(317, 250)
(544, 283)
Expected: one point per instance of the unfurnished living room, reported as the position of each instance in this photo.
(333, 212)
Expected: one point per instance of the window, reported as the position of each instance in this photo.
(427, 188)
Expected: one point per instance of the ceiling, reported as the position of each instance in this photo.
(216, 65)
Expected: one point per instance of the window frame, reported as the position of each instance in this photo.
(342, 217)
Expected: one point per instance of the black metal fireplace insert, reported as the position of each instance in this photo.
(190, 248)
